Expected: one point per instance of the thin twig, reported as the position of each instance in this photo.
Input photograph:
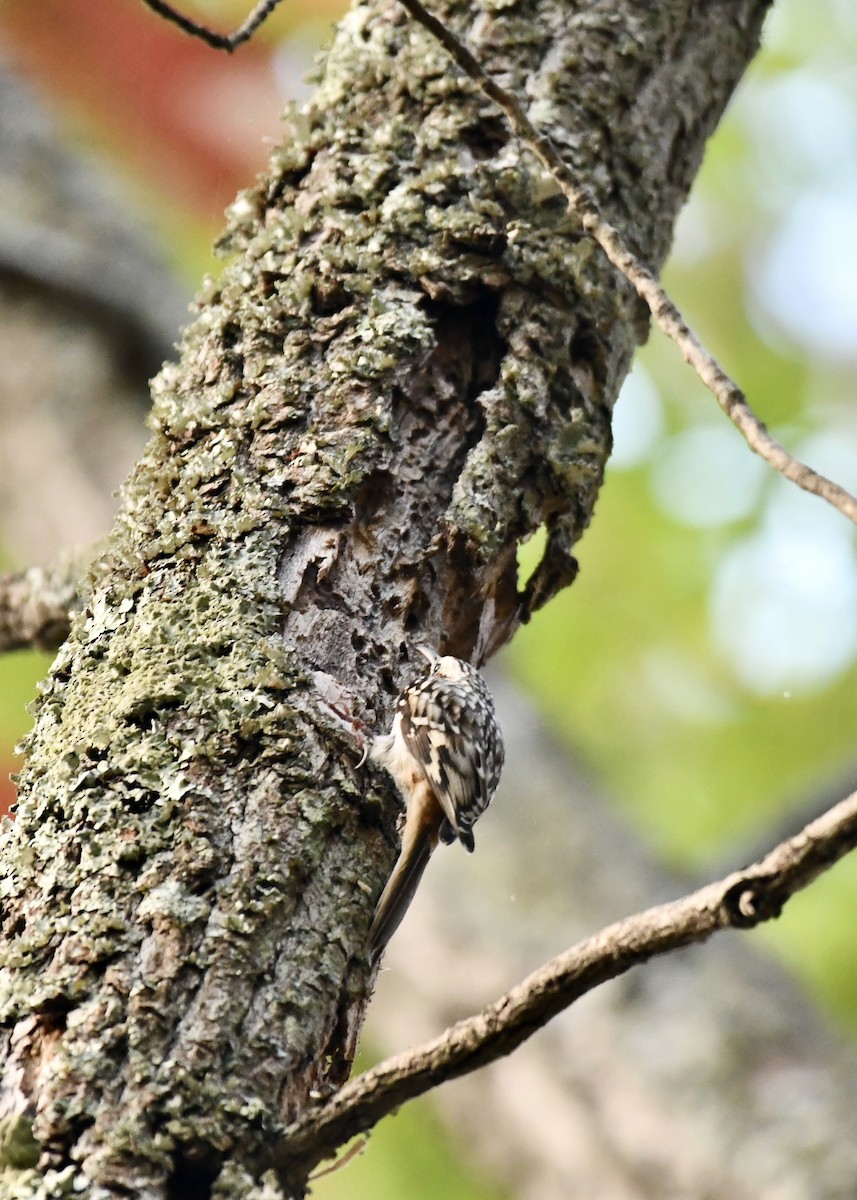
(218, 41)
(727, 393)
(740, 901)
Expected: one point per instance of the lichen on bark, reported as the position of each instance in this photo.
(406, 368)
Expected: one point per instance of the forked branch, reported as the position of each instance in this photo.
(218, 41)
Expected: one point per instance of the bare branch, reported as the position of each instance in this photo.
(218, 41)
(666, 315)
(740, 901)
(35, 605)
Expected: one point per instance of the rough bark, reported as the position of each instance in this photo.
(406, 369)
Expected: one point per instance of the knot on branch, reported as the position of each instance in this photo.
(752, 901)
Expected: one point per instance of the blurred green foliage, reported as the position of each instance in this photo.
(19, 673)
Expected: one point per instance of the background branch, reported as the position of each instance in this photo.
(35, 605)
(87, 314)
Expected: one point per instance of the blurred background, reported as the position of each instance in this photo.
(696, 685)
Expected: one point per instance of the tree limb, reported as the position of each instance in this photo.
(742, 900)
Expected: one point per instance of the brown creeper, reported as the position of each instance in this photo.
(444, 752)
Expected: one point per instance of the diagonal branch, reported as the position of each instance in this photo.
(740, 901)
(666, 315)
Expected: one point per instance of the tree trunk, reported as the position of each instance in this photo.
(406, 369)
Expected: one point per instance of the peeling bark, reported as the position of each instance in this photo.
(407, 368)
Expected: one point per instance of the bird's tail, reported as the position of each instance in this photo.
(399, 891)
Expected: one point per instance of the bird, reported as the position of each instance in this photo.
(445, 753)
